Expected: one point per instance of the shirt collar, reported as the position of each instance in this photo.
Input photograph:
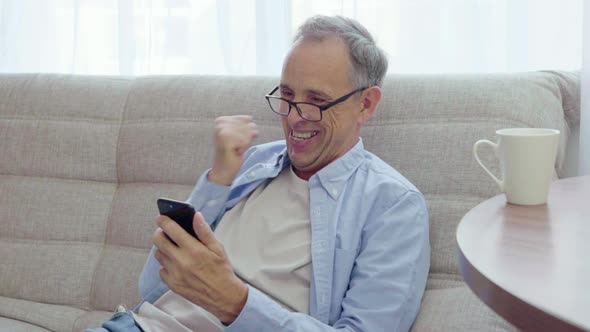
(333, 176)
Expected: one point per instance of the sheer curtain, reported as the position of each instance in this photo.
(251, 37)
(584, 147)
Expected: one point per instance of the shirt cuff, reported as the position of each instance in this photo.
(260, 314)
(209, 197)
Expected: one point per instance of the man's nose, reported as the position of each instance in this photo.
(294, 117)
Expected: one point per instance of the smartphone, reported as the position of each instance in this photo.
(182, 213)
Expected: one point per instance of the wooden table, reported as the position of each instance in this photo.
(531, 264)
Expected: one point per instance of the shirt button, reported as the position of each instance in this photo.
(252, 174)
(334, 192)
(211, 203)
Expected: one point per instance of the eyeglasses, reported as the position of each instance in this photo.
(308, 111)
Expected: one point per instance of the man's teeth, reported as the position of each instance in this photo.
(303, 135)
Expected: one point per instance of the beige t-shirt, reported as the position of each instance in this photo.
(267, 238)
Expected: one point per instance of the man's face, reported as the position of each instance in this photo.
(319, 72)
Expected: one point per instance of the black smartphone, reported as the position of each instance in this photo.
(182, 213)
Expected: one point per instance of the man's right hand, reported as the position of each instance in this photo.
(233, 136)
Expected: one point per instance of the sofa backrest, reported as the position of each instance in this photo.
(83, 160)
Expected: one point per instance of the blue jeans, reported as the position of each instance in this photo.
(120, 322)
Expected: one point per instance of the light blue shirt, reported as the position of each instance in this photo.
(369, 244)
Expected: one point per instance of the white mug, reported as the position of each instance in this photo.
(527, 159)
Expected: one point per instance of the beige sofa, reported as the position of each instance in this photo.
(83, 160)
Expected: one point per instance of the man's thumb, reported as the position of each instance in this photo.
(203, 231)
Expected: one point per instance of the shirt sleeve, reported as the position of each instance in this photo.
(209, 198)
(386, 284)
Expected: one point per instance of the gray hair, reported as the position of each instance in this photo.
(369, 62)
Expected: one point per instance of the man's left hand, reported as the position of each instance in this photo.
(199, 270)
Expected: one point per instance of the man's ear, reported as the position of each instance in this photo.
(369, 101)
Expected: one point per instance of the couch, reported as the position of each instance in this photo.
(84, 158)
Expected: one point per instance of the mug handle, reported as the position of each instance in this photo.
(495, 146)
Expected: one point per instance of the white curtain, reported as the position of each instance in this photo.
(584, 147)
(251, 37)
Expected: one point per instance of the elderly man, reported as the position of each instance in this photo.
(313, 233)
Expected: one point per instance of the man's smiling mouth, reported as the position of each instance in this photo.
(303, 135)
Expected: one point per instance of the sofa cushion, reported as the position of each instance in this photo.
(12, 325)
(43, 315)
(53, 209)
(50, 272)
(33, 316)
(60, 126)
(457, 309)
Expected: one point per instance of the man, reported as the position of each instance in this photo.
(312, 233)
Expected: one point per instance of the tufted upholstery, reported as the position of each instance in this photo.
(83, 160)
